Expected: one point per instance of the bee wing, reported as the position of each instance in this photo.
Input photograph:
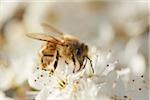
(52, 31)
(44, 37)
(55, 32)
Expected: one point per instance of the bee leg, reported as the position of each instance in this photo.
(91, 64)
(82, 66)
(84, 63)
(74, 62)
(56, 62)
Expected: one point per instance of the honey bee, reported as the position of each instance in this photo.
(61, 46)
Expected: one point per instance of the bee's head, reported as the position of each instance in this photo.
(81, 50)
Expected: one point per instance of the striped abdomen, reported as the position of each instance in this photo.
(47, 54)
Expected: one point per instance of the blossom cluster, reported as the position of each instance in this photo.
(106, 83)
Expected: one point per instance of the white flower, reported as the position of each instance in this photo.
(80, 86)
(106, 83)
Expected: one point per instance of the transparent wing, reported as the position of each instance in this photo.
(44, 37)
(52, 31)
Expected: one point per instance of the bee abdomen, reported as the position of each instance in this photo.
(47, 55)
(46, 60)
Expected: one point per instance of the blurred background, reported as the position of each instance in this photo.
(120, 26)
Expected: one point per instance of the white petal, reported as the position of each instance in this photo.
(40, 79)
(43, 94)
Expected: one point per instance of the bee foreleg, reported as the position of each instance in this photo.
(83, 64)
(74, 62)
(56, 61)
(91, 64)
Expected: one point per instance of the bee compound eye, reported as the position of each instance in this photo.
(78, 51)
